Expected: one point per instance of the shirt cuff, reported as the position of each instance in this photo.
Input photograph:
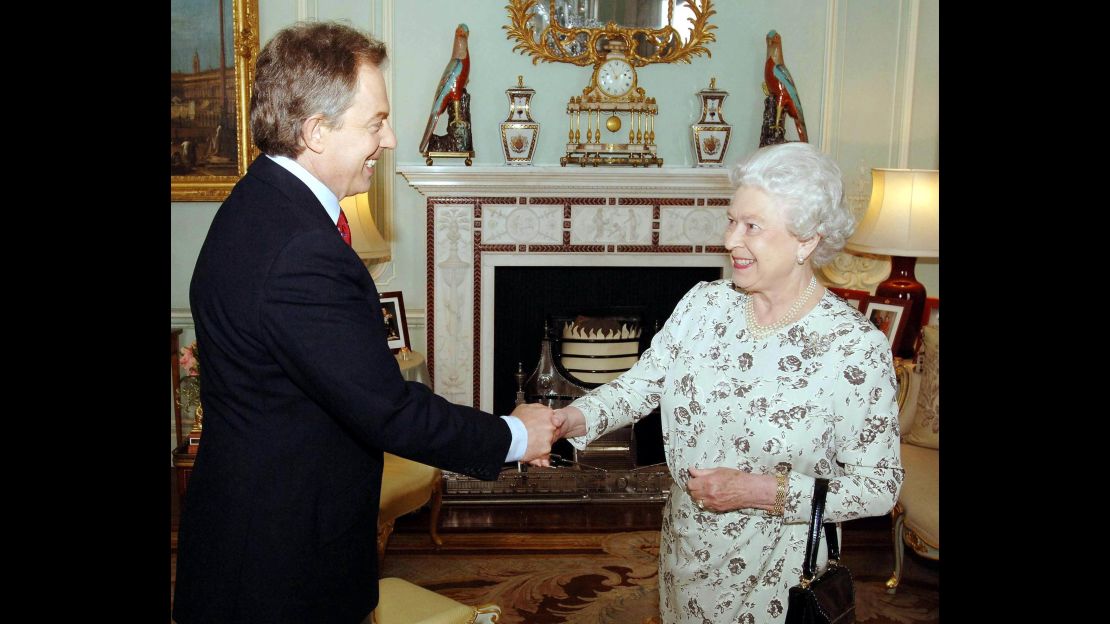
(520, 439)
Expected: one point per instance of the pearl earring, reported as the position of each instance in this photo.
(801, 260)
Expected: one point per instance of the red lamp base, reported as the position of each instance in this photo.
(903, 285)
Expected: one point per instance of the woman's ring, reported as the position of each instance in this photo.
(701, 505)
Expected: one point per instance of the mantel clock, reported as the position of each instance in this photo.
(613, 95)
(619, 124)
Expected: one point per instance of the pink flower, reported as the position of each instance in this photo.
(188, 360)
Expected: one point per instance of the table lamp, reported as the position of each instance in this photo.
(365, 238)
(903, 222)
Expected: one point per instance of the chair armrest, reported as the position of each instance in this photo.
(909, 384)
(402, 602)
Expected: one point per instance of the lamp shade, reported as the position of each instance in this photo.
(366, 240)
(903, 217)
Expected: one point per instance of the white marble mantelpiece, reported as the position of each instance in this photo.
(461, 181)
(480, 218)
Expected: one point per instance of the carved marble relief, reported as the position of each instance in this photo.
(858, 272)
(692, 226)
(537, 225)
(628, 225)
(454, 302)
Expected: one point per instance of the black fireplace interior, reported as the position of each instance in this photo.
(524, 297)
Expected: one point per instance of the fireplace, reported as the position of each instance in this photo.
(483, 219)
(507, 246)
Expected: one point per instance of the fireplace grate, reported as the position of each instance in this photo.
(573, 483)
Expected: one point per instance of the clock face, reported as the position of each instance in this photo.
(615, 77)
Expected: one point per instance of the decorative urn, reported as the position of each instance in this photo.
(711, 133)
(519, 132)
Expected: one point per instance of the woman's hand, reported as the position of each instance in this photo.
(573, 422)
(728, 489)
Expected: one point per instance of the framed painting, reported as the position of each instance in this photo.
(889, 315)
(213, 47)
(396, 325)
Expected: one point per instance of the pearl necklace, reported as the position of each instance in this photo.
(759, 332)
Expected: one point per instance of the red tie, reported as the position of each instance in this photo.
(344, 228)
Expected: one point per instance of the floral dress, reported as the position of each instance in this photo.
(819, 396)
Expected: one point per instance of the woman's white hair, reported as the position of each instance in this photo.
(807, 186)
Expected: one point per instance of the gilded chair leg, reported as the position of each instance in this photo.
(385, 529)
(899, 550)
(437, 502)
(487, 614)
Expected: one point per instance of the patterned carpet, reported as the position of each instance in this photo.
(556, 578)
(611, 578)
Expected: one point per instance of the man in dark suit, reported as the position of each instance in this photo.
(300, 392)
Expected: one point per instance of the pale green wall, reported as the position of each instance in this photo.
(925, 143)
(737, 62)
(189, 223)
(864, 92)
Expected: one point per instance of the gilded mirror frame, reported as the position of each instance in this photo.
(669, 47)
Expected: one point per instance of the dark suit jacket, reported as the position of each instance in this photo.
(301, 396)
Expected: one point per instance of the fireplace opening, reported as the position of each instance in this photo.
(525, 297)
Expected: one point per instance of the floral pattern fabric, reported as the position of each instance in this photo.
(818, 396)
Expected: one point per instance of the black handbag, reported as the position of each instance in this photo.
(829, 598)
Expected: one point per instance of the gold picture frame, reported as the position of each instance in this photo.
(202, 165)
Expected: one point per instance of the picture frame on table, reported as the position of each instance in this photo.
(931, 314)
(855, 298)
(889, 315)
(211, 74)
(396, 325)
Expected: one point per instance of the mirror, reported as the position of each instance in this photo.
(576, 31)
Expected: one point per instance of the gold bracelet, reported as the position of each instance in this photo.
(781, 480)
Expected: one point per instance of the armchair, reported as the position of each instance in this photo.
(916, 516)
(406, 487)
(401, 602)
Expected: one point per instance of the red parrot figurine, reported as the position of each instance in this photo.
(780, 86)
(451, 84)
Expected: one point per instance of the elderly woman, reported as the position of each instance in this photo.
(765, 382)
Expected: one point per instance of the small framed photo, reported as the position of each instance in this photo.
(889, 315)
(855, 298)
(396, 326)
(931, 314)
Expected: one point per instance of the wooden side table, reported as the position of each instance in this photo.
(183, 467)
(175, 381)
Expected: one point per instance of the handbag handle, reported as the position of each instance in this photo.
(813, 538)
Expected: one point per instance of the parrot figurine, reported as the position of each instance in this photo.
(451, 84)
(780, 86)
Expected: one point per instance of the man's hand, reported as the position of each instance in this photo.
(569, 423)
(539, 420)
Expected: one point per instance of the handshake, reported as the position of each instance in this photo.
(545, 426)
